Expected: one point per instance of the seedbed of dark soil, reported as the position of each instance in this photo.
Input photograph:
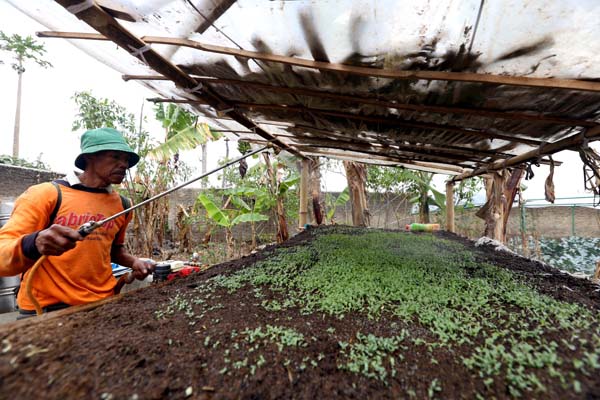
(299, 321)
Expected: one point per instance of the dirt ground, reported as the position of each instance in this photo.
(121, 350)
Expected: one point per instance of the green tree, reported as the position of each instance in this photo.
(23, 49)
(97, 113)
(234, 211)
(418, 187)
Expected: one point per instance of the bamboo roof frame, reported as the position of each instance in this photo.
(380, 120)
(519, 116)
(544, 149)
(491, 154)
(388, 121)
(103, 21)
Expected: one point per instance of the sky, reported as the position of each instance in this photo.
(48, 111)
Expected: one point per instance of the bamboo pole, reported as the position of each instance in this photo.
(303, 213)
(450, 206)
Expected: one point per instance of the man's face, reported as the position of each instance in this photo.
(109, 166)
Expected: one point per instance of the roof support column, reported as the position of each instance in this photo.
(315, 189)
(303, 209)
(450, 206)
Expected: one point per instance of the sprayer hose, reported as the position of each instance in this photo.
(28, 285)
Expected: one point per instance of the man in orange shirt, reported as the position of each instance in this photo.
(78, 269)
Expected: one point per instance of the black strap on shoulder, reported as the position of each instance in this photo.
(125, 203)
(57, 205)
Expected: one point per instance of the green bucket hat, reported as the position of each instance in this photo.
(102, 139)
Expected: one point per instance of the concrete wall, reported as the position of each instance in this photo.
(551, 222)
(387, 211)
(15, 180)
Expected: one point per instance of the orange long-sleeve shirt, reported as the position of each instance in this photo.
(78, 276)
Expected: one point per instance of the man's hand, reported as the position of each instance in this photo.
(56, 239)
(142, 268)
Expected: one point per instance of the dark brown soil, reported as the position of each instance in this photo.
(121, 350)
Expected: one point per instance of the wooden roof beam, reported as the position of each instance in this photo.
(219, 9)
(374, 148)
(396, 137)
(390, 121)
(463, 150)
(544, 149)
(377, 148)
(362, 99)
(377, 159)
(571, 84)
(382, 120)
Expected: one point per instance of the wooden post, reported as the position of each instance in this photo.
(450, 206)
(597, 273)
(315, 189)
(499, 206)
(303, 213)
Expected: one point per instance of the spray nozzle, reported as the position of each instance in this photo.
(88, 228)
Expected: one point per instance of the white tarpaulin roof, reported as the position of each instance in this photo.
(448, 86)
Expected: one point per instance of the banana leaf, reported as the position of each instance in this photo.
(339, 201)
(249, 217)
(214, 212)
(187, 138)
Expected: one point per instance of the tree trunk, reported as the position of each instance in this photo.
(315, 189)
(495, 209)
(230, 243)
(511, 187)
(303, 206)
(356, 174)
(17, 118)
(282, 232)
(424, 208)
(253, 230)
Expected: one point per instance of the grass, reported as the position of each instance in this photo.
(419, 279)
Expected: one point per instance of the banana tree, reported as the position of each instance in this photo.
(420, 186)
(182, 132)
(266, 190)
(227, 217)
(334, 203)
(280, 178)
